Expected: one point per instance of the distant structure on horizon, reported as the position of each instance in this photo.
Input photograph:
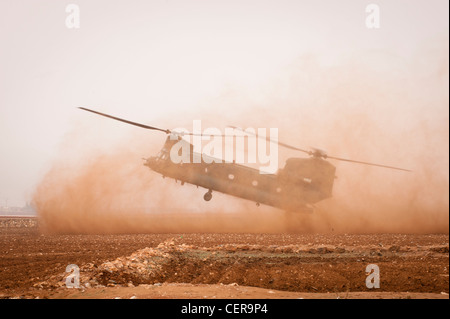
(26, 210)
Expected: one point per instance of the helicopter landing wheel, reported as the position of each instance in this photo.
(207, 197)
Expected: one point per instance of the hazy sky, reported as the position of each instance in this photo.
(146, 60)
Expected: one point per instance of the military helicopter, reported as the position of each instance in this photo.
(296, 187)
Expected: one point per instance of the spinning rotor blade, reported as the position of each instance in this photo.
(273, 141)
(167, 131)
(128, 122)
(366, 163)
(196, 134)
(322, 154)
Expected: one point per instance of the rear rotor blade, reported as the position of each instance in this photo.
(322, 154)
(366, 163)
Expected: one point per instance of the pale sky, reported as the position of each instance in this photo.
(146, 60)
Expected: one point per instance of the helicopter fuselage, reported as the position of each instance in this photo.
(301, 183)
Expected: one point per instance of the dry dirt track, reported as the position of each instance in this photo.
(220, 265)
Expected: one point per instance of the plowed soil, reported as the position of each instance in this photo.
(33, 265)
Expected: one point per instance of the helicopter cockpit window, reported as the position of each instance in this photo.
(163, 154)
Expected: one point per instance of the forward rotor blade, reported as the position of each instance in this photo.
(128, 122)
(167, 131)
(366, 163)
(201, 134)
(273, 141)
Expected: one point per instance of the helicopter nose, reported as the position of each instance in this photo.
(150, 162)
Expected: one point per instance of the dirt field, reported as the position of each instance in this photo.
(32, 265)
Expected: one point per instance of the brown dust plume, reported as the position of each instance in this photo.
(372, 107)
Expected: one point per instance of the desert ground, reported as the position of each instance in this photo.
(159, 266)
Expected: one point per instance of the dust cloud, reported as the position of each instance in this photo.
(371, 106)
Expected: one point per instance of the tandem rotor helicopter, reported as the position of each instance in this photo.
(296, 187)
